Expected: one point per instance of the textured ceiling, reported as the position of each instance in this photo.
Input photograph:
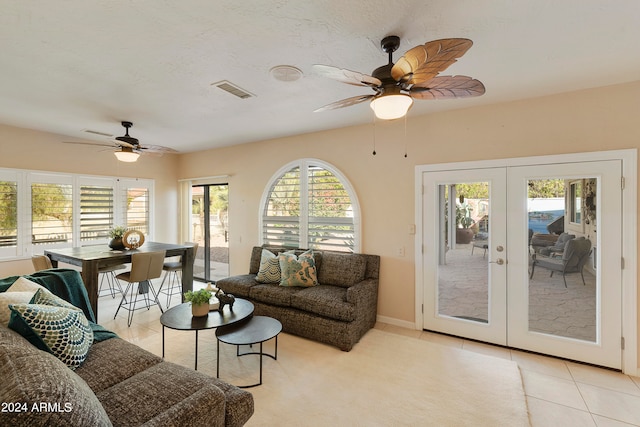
(71, 65)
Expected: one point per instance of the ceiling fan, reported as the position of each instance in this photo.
(128, 147)
(414, 76)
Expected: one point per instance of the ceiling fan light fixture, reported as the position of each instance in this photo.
(126, 154)
(393, 106)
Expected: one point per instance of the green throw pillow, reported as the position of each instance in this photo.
(297, 270)
(269, 271)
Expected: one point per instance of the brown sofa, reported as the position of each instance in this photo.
(338, 311)
(118, 384)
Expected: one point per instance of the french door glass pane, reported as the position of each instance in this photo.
(463, 273)
(563, 297)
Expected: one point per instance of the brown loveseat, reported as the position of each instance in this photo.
(338, 311)
(118, 384)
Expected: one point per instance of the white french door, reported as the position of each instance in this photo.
(484, 289)
(466, 291)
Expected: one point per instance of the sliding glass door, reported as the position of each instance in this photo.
(210, 229)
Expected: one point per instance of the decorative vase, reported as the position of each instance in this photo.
(199, 310)
(116, 244)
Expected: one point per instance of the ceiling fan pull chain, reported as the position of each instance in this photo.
(405, 136)
(374, 135)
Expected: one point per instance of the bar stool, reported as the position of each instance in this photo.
(41, 262)
(174, 285)
(109, 273)
(145, 266)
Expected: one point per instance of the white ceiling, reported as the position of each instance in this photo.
(71, 65)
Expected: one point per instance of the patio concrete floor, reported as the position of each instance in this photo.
(553, 309)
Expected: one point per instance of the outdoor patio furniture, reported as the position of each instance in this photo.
(575, 256)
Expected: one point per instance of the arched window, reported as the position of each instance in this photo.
(309, 204)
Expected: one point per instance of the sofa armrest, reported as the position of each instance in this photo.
(364, 292)
(205, 407)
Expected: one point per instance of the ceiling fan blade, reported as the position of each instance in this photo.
(447, 87)
(96, 144)
(155, 149)
(424, 62)
(347, 102)
(346, 76)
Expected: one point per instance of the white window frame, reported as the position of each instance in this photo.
(13, 176)
(304, 165)
(24, 179)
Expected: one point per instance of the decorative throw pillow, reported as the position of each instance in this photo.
(64, 332)
(297, 270)
(45, 297)
(24, 285)
(269, 271)
(7, 298)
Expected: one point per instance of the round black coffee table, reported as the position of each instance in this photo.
(180, 318)
(256, 330)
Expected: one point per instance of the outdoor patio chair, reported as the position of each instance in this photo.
(558, 246)
(575, 256)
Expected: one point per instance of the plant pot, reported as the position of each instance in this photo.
(200, 310)
(464, 235)
(116, 243)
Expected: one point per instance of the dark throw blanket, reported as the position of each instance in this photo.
(68, 285)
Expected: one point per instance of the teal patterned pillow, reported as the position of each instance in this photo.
(64, 332)
(269, 271)
(297, 270)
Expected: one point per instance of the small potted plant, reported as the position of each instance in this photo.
(116, 234)
(199, 302)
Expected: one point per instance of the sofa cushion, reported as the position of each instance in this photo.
(325, 300)
(297, 270)
(52, 393)
(342, 269)
(238, 286)
(64, 332)
(273, 294)
(269, 271)
(145, 396)
(101, 371)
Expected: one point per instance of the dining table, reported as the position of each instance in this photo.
(94, 257)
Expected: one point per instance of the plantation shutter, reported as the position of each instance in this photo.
(309, 206)
(330, 212)
(96, 212)
(281, 221)
(136, 209)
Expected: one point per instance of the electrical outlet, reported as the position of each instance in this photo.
(412, 229)
(401, 251)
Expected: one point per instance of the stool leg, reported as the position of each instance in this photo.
(122, 300)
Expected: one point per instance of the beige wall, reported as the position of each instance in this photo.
(590, 120)
(34, 150)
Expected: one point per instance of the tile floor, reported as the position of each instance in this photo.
(559, 393)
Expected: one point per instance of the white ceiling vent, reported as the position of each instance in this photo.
(233, 89)
(95, 132)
